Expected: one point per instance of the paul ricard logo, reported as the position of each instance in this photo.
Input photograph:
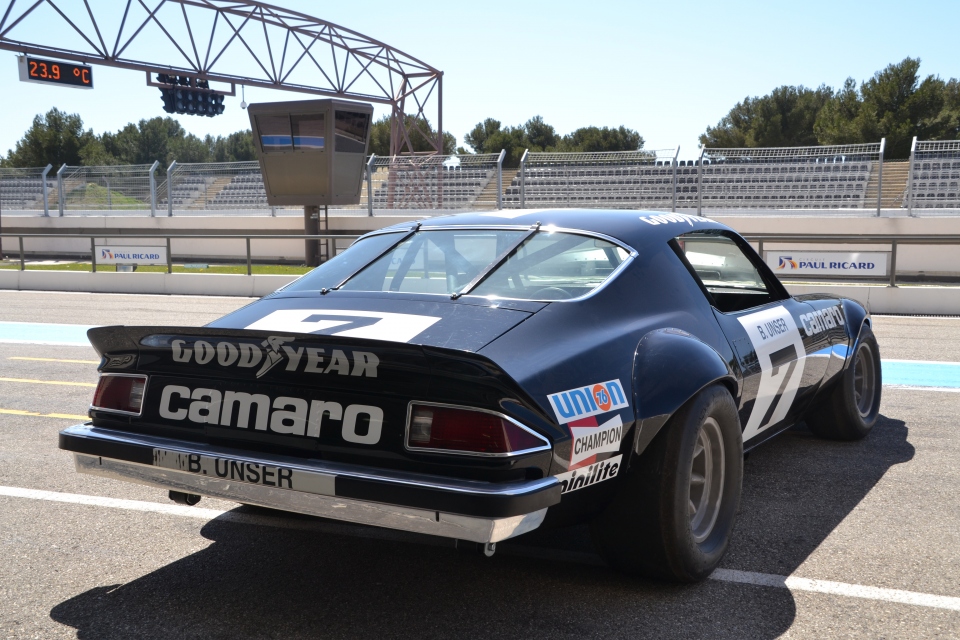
(106, 254)
(787, 262)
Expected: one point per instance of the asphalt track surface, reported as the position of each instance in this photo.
(833, 539)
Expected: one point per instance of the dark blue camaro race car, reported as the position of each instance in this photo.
(481, 375)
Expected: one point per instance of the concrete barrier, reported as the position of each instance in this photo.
(911, 300)
(879, 299)
(206, 284)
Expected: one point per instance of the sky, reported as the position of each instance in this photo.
(665, 69)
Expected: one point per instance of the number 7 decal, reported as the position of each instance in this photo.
(781, 355)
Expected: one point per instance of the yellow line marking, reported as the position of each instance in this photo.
(57, 382)
(54, 360)
(65, 416)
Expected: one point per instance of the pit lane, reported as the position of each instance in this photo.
(829, 539)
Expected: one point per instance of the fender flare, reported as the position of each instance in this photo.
(670, 367)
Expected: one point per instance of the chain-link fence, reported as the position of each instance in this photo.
(215, 186)
(827, 177)
(122, 187)
(434, 182)
(616, 179)
(934, 175)
(23, 189)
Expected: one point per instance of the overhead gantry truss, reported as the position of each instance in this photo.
(234, 41)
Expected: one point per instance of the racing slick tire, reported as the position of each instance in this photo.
(853, 406)
(673, 517)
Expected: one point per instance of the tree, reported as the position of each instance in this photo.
(416, 128)
(477, 137)
(55, 138)
(590, 139)
(783, 118)
(236, 147)
(894, 104)
(540, 135)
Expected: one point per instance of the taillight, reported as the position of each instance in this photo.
(120, 392)
(468, 431)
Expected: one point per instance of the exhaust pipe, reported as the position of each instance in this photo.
(188, 499)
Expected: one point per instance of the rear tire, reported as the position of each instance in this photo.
(853, 406)
(673, 517)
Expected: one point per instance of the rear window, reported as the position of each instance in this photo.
(340, 267)
(545, 266)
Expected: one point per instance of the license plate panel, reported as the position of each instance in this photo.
(246, 471)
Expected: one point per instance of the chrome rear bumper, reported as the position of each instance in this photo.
(463, 509)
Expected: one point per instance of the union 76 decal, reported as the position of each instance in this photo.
(587, 401)
(780, 351)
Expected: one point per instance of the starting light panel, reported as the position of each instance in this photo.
(189, 96)
(311, 152)
(44, 71)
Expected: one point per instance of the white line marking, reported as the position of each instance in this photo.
(837, 588)
(912, 388)
(46, 343)
(113, 503)
(791, 583)
(947, 362)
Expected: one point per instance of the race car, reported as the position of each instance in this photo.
(481, 375)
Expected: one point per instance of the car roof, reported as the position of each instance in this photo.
(635, 228)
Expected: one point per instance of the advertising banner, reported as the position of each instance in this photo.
(827, 263)
(110, 254)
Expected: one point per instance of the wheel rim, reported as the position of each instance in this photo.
(864, 380)
(706, 480)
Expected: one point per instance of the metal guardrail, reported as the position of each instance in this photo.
(894, 240)
(331, 246)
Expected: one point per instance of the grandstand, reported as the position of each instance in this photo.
(435, 182)
(834, 177)
(22, 189)
(617, 179)
(934, 180)
(850, 177)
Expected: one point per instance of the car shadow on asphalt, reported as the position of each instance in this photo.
(270, 581)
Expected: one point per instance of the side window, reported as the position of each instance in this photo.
(726, 273)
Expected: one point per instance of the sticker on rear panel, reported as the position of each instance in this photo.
(780, 351)
(590, 475)
(591, 438)
(591, 400)
(372, 325)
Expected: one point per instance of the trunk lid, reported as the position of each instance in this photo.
(331, 397)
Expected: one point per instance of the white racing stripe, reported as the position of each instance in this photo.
(792, 583)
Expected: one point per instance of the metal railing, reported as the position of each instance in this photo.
(105, 188)
(329, 238)
(434, 182)
(893, 240)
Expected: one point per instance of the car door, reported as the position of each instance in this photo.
(763, 325)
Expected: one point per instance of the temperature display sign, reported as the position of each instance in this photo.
(54, 72)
